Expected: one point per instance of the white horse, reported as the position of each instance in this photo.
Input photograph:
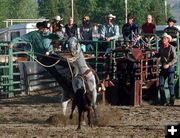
(81, 69)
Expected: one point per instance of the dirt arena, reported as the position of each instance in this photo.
(39, 116)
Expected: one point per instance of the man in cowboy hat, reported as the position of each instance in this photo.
(110, 31)
(56, 25)
(41, 42)
(129, 29)
(172, 30)
(168, 58)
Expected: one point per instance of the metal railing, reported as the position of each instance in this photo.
(10, 82)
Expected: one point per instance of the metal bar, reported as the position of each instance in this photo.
(10, 93)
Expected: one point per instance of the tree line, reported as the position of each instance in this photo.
(96, 9)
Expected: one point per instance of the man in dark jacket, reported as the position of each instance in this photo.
(172, 31)
(129, 29)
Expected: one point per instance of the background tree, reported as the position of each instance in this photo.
(3, 11)
(23, 9)
(96, 9)
(51, 8)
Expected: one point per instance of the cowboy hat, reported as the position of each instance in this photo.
(58, 18)
(171, 20)
(111, 16)
(167, 36)
(45, 24)
(86, 17)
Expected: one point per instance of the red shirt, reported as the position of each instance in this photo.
(148, 28)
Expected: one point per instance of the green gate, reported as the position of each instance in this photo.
(10, 81)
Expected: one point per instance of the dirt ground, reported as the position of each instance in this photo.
(40, 116)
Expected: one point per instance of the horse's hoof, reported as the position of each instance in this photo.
(78, 128)
(83, 123)
(90, 125)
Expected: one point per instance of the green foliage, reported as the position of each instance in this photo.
(17, 9)
(23, 9)
(51, 8)
(3, 12)
(96, 9)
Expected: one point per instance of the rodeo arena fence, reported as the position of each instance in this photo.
(130, 70)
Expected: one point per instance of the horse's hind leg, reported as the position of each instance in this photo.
(89, 116)
(73, 108)
(83, 122)
(79, 119)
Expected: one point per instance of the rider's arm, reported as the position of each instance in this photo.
(23, 38)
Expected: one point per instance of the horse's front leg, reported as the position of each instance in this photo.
(94, 102)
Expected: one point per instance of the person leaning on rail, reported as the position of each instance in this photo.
(148, 29)
(168, 58)
(41, 43)
(71, 29)
(172, 31)
(86, 28)
(86, 34)
(56, 25)
(109, 32)
(129, 30)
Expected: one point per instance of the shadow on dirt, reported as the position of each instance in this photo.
(34, 98)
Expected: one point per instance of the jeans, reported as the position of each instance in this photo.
(164, 74)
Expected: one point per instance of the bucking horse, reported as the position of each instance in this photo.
(83, 79)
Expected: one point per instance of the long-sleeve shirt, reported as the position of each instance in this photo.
(86, 31)
(128, 29)
(167, 55)
(172, 31)
(41, 43)
(148, 28)
(71, 31)
(110, 31)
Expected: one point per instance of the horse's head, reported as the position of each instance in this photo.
(74, 46)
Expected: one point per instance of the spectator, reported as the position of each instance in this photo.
(86, 28)
(56, 27)
(56, 24)
(71, 28)
(148, 29)
(129, 30)
(86, 34)
(172, 31)
(110, 31)
(168, 58)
